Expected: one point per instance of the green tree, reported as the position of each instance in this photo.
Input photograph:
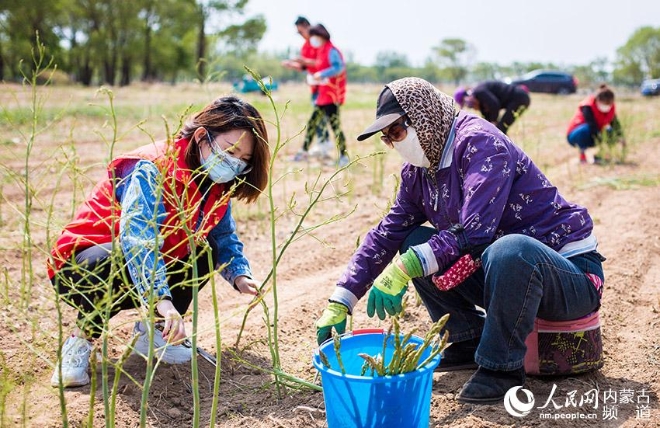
(391, 65)
(430, 71)
(639, 57)
(454, 56)
(169, 40)
(391, 59)
(70, 29)
(358, 73)
(21, 21)
(216, 11)
(594, 73)
(485, 71)
(243, 39)
(113, 41)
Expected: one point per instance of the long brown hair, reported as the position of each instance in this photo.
(227, 114)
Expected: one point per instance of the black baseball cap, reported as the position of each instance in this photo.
(388, 110)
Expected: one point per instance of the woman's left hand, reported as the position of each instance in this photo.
(247, 285)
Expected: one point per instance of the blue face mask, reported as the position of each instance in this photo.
(223, 167)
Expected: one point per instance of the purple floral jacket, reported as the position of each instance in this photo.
(485, 183)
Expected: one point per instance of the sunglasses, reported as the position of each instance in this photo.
(396, 133)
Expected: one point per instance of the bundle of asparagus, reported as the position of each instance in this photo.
(406, 355)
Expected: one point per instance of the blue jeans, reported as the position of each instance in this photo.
(520, 279)
(581, 137)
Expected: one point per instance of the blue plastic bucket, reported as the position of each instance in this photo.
(352, 400)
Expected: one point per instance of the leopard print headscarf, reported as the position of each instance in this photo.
(431, 113)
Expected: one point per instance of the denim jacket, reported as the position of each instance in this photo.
(137, 196)
(486, 184)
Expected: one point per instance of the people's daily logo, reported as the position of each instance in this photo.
(577, 405)
(514, 406)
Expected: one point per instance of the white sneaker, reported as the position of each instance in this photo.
(315, 151)
(343, 161)
(168, 353)
(322, 150)
(300, 156)
(327, 149)
(75, 362)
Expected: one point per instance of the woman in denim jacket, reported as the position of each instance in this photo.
(157, 227)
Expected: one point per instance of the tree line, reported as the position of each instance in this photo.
(118, 42)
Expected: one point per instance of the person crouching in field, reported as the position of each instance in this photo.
(502, 238)
(156, 227)
(492, 96)
(595, 121)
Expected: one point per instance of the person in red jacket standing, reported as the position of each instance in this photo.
(157, 227)
(331, 79)
(596, 115)
(306, 63)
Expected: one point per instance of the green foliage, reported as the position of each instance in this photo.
(454, 55)
(245, 38)
(266, 65)
(639, 57)
(117, 43)
(361, 74)
(389, 59)
(23, 22)
(485, 71)
(592, 74)
(624, 183)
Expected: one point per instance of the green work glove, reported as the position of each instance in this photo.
(333, 316)
(387, 292)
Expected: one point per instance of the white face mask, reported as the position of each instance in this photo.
(604, 108)
(411, 150)
(223, 167)
(315, 41)
(217, 168)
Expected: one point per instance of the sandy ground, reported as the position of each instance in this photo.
(626, 216)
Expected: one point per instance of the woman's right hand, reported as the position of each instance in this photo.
(247, 285)
(174, 330)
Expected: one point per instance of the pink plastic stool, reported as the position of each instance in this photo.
(564, 347)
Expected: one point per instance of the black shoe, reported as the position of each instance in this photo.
(459, 356)
(490, 386)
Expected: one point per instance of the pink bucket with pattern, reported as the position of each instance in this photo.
(564, 347)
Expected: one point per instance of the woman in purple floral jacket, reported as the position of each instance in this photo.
(503, 248)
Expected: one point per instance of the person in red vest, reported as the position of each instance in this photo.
(157, 227)
(596, 114)
(331, 79)
(306, 63)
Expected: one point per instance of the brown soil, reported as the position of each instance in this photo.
(627, 227)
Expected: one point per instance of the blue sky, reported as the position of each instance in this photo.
(565, 32)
